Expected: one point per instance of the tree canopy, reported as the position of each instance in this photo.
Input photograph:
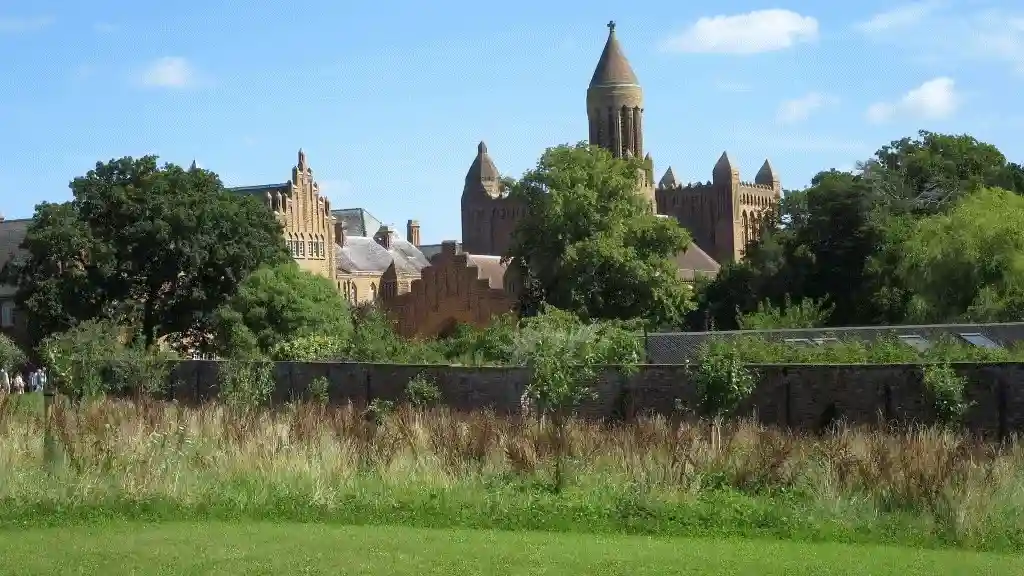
(591, 245)
(155, 247)
(844, 239)
(278, 304)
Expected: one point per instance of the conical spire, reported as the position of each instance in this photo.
(766, 175)
(483, 174)
(194, 166)
(669, 180)
(612, 68)
(724, 166)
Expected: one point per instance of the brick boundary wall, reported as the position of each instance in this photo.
(792, 396)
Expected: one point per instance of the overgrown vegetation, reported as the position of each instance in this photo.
(307, 462)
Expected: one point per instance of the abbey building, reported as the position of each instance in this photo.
(429, 289)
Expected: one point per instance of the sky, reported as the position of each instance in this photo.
(389, 99)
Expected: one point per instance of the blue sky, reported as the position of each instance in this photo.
(389, 99)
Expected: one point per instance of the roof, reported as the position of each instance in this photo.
(489, 268)
(363, 254)
(259, 188)
(693, 262)
(682, 347)
(483, 176)
(431, 250)
(357, 222)
(612, 68)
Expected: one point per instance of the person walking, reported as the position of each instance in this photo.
(33, 380)
(5, 382)
(18, 384)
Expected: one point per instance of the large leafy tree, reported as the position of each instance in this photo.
(591, 245)
(155, 247)
(842, 238)
(277, 304)
(968, 264)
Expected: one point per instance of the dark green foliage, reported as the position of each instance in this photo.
(592, 245)
(157, 247)
(278, 304)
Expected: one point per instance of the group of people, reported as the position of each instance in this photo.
(18, 385)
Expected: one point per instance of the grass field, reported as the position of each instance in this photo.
(282, 549)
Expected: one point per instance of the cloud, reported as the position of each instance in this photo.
(14, 25)
(749, 33)
(800, 109)
(898, 17)
(936, 99)
(168, 72)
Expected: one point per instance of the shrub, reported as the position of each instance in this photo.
(948, 392)
(318, 389)
(10, 354)
(312, 348)
(92, 359)
(722, 380)
(246, 383)
(422, 391)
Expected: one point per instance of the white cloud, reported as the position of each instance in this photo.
(898, 17)
(934, 100)
(169, 72)
(800, 109)
(749, 33)
(13, 25)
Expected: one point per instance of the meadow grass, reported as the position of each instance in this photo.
(212, 548)
(152, 461)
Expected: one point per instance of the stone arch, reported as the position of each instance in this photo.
(746, 228)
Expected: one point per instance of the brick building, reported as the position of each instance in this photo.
(428, 288)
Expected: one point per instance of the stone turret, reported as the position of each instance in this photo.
(766, 176)
(615, 102)
(482, 178)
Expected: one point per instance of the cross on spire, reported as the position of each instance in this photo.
(611, 25)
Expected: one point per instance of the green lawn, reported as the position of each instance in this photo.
(262, 548)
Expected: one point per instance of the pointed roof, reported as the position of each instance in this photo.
(766, 175)
(612, 68)
(669, 180)
(483, 172)
(724, 165)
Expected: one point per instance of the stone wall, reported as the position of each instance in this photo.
(796, 396)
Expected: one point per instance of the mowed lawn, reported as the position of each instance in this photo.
(262, 548)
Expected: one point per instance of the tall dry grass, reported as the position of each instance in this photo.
(326, 457)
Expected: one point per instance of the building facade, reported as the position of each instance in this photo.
(428, 288)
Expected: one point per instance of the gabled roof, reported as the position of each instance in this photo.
(357, 221)
(363, 254)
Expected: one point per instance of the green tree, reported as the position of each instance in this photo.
(10, 354)
(591, 245)
(157, 247)
(277, 304)
(968, 264)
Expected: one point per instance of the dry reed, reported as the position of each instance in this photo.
(151, 449)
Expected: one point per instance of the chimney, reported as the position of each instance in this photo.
(412, 232)
(385, 236)
(448, 248)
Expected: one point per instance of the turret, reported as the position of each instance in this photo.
(615, 102)
(482, 178)
(766, 176)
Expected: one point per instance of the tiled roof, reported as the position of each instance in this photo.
(362, 254)
(357, 222)
(681, 347)
(693, 262)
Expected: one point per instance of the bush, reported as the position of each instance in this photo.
(92, 359)
(11, 356)
(312, 348)
(722, 381)
(246, 383)
(948, 393)
(422, 391)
